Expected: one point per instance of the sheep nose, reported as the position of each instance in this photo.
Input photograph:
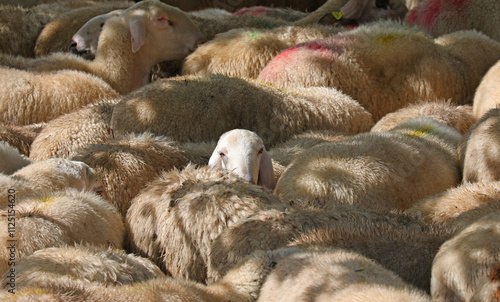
(73, 47)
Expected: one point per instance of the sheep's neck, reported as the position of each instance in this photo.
(140, 72)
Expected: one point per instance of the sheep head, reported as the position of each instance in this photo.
(243, 153)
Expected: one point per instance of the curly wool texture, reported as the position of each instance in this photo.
(64, 136)
(438, 17)
(244, 52)
(487, 95)
(46, 176)
(383, 171)
(405, 71)
(399, 243)
(126, 165)
(58, 219)
(329, 274)
(463, 260)
(218, 104)
(174, 220)
(241, 284)
(89, 263)
(445, 207)
(479, 150)
(458, 117)
(20, 137)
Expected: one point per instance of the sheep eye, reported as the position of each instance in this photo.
(102, 24)
(261, 150)
(222, 154)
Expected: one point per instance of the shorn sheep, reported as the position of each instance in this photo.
(10, 159)
(243, 153)
(446, 113)
(57, 219)
(404, 72)
(241, 284)
(141, 36)
(444, 207)
(69, 133)
(174, 220)
(397, 242)
(333, 274)
(275, 115)
(487, 94)
(91, 263)
(438, 17)
(46, 176)
(479, 149)
(126, 165)
(383, 171)
(464, 260)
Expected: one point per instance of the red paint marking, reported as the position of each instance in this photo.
(252, 11)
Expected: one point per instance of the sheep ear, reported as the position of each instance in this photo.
(354, 8)
(266, 172)
(138, 32)
(215, 160)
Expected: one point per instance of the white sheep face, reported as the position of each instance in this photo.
(243, 153)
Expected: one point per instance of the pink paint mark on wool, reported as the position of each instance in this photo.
(252, 11)
(426, 15)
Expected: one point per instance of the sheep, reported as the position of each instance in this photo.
(64, 136)
(241, 284)
(458, 117)
(274, 115)
(20, 137)
(488, 287)
(245, 52)
(444, 207)
(438, 17)
(487, 94)
(383, 171)
(345, 62)
(243, 153)
(119, 74)
(86, 38)
(359, 11)
(57, 219)
(465, 259)
(331, 274)
(174, 220)
(232, 6)
(87, 262)
(56, 35)
(286, 14)
(11, 159)
(46, 176)
(397, 242)
(19, 29)
(377, 293)
(127, 164)
(284, 153)
(479, 149)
